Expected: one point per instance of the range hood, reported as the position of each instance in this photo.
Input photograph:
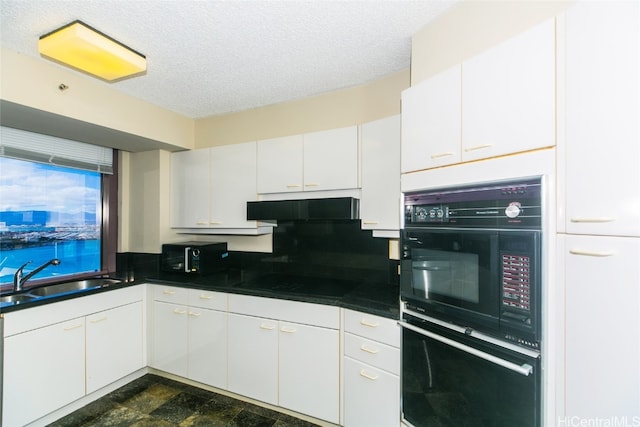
(337, 208)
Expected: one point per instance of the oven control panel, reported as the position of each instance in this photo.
(516, 282)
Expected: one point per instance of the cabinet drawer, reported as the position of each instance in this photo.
(170, 294)
(372, 352)
(373, 327)
(207, 299)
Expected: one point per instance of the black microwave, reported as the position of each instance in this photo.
(194, 257)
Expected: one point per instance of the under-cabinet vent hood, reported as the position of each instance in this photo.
(338, 208)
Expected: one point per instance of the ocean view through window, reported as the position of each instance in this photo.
(47, 212)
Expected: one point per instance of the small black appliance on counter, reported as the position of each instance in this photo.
(194, 257)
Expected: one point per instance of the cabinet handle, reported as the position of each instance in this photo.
(595, 219)
(72, 327)
(202, 222)
(370, 222)
(194, 314)
(101, 319)
(215, 222)
(363, 373)
(312, 185)
(293, 185)
(590, 253)
(365, 322)
(205, 296)
(179, 311)
(440, 155)
(478, 147)
(167, 292)
(267, 327)
(287, 330)
(364, 347)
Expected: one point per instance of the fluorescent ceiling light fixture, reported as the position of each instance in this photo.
(83, 48)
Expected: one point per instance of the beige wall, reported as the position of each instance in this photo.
(341, 108)
(33, 83)
(471, 27)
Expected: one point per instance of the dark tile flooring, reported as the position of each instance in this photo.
(153, 401)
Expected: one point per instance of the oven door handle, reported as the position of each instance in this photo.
(524, 369)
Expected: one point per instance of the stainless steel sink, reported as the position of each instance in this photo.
(17, 298)
(78, 285)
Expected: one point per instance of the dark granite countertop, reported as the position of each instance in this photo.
(374, 298)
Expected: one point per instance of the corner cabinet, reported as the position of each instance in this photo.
(380, 169)
(317, 161)
(210, 189)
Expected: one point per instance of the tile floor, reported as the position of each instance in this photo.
(153, 401)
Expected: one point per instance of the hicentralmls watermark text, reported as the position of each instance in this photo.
(576, 421)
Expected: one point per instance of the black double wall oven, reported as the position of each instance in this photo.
(471, 291)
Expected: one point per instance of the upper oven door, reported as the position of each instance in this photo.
(452, 273)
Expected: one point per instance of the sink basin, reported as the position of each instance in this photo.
(77, 285)
(18, 298)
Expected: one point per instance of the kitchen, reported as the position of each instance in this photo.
(570, 382)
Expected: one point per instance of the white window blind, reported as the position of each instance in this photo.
(24, 145)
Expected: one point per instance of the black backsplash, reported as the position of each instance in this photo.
(319, 249)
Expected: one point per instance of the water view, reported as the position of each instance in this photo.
(48, 212)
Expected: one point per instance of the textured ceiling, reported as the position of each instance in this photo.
(209, 57)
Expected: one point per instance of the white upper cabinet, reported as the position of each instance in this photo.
(190, 189)
(508, 96)
(325, 160)
(431, 120)
(280, 164)
(210, 189)
(602, 160)
(233, 183)
(331, 159)
(380, 169)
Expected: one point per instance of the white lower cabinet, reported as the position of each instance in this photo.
(190, 334)
(108, 333)
(57, 353)
(286, 354)
(371, 369)
(308, 367)
(602, 332)
(44, 369)
(253, 357)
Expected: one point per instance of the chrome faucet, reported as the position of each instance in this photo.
(19, 280)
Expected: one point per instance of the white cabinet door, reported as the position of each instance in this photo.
(331, 159)
(380, 167)
(233, 184)
(253, 357)
(114, 345)
(169, 338)
(431, 122)
(371, 396)
(508, 96)
(280, 165)
(190, 189)
(207, 349)
(44, 369)
(602, 114)
(309, 370)
(602, 353)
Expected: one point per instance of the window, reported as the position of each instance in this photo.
(52, 211)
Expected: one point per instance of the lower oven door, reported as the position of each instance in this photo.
(449, 379)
